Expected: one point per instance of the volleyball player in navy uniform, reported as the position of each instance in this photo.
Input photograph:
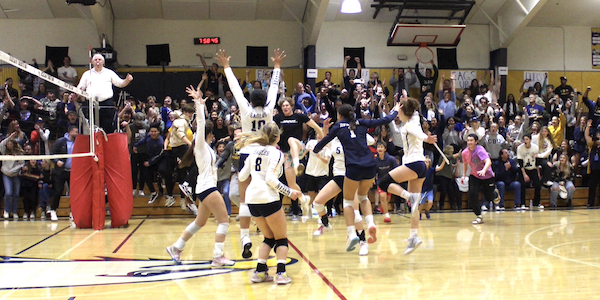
(413, 168)
(361, 167)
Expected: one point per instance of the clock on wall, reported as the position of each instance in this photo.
(207, 41)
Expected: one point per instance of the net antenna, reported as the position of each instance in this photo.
(51, 79)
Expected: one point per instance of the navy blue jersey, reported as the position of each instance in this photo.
(356, 151)
(385, 165)
(428, 183)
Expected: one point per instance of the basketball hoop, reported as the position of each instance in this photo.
(424, 54)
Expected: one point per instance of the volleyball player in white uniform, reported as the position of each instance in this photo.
(253, 116)
(333, 188)
(413, 168)
(206, 191)
(264, 164)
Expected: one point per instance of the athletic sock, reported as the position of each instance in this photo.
(351, 231)
(261, 265)
(325, 220)
(281, 266)
(369, 219)
(218, 251)
(245, 232)
(413, 232)
(361, 235)
(405, 194)
(296, 162)
(179, 244)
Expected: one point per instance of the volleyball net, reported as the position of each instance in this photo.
(53, 80)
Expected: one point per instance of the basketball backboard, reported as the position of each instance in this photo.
(419, 34)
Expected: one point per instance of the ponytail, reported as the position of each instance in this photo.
(347, 112)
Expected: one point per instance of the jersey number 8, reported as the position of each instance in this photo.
(257, 164)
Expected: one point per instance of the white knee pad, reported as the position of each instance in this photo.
(223, 228)
(318, 207)
(193, 228)
(348, 203)
(244, 210)
(362, 198)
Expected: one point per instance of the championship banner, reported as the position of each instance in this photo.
(41, 74)
(463, 79)
(595, 48)
(534, 77)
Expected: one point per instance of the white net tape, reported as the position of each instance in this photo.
(33, 71)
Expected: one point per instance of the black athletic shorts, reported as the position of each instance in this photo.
(205, 194)
(315, 184)
(264, 210)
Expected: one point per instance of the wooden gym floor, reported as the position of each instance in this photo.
(551, 254)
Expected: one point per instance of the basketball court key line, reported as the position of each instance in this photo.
(314, 268)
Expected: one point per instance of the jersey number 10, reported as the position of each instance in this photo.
(257, 125)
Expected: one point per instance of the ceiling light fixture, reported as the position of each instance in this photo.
(351, 7)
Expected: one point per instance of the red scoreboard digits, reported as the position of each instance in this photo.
(207, 41)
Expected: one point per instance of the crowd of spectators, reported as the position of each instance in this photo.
(539, 137)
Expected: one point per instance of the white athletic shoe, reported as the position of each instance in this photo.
(192, 208)
(170, 201)
(304, 219)
(221, 261)
(540, 206)
(32, 216)
(53, 216)
(261, 277)
(364, 248)
(523, 207)
(322, 229)
(15, 217)
(246, 247)
(372, 234)
(282, 278)
(6, 215)
(141, 193)
(351, 243)
(153, 197)
(135, 192)
(484, 208)
(182, 204)
(413, 244)
(175, 254)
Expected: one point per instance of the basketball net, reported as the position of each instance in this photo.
(425, 57)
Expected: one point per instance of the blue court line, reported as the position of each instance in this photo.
(72, 298)
(130, 234)
(43, 240)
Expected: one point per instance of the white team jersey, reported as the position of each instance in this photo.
(254, 118)
(339, 161)
(528, 156)
(315, 166)
(337, 152)
(206, 158)
(412, 139)
(265, 165)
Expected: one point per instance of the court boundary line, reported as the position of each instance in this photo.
(129, 236)
(550, 252)
(43, 240)
(314, 268)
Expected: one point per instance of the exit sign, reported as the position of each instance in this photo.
(207, 41)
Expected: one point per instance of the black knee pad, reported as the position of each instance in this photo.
(280, 243)
(385, 182)
(269, 242)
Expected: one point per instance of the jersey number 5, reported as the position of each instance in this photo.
(257, 125)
